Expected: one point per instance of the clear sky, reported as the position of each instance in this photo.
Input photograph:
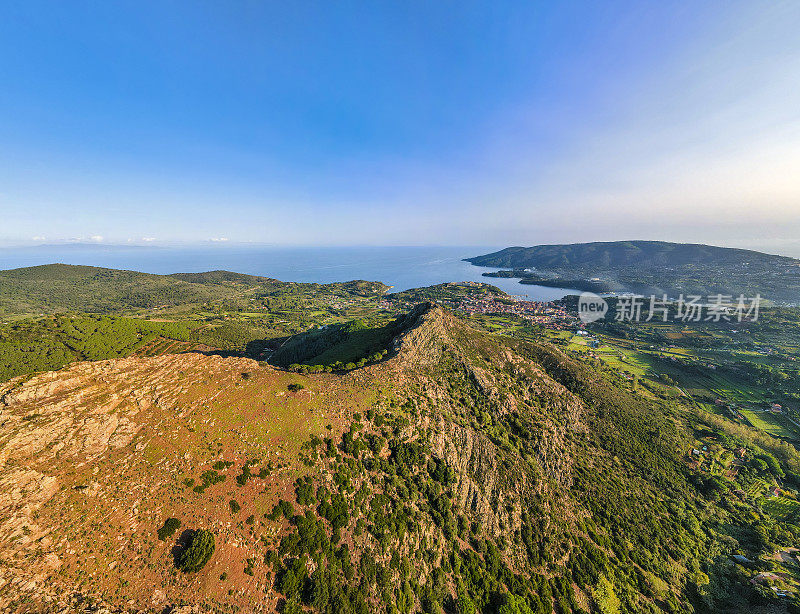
(400, 122)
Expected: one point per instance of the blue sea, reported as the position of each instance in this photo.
(400, 267)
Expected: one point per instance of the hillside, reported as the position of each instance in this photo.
(56, 288)
(348, 345)
(651, 267)
(61, 287)
(626, 253)
(466, 472)
(53, 315)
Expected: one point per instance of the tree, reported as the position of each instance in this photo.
(198, 552)
(291, 580)
(772, 463)
(511, 604)
(464, 604)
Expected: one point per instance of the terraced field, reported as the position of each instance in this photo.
(755, 489)
(770, 423)
(780, 508)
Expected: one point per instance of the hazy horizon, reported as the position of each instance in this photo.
(781, 248)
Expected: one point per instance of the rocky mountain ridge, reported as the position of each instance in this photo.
(465, 468)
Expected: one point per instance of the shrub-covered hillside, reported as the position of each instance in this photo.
(51, 343)
(342, 346)
(506, 476)
(651, 267)
(55, 288)
(466, 472)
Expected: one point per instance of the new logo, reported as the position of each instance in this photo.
(591, 307)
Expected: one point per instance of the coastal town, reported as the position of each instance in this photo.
(473, 299)
(547, 314)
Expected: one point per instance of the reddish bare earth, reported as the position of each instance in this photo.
(95, 457)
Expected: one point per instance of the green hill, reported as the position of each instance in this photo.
(344, 346)
(61, 287)
(607, 255)
(54, 288)
(651, 267)
(334, 346)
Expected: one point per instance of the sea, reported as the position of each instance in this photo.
(400, 267)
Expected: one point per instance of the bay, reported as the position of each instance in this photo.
(401, 267)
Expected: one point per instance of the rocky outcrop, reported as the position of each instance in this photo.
(424, 336)
(55, 423)
(481, 490)
(493, 481)
(94, 458)
(83, 411)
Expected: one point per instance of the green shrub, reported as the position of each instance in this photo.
(209, 478)
(304, 490)
(198, 552)
(242, 478)
(281, 508)
(168, 530)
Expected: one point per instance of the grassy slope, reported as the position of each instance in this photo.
(61, 287)
(342, 343)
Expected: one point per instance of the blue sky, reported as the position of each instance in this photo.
(400, 122)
